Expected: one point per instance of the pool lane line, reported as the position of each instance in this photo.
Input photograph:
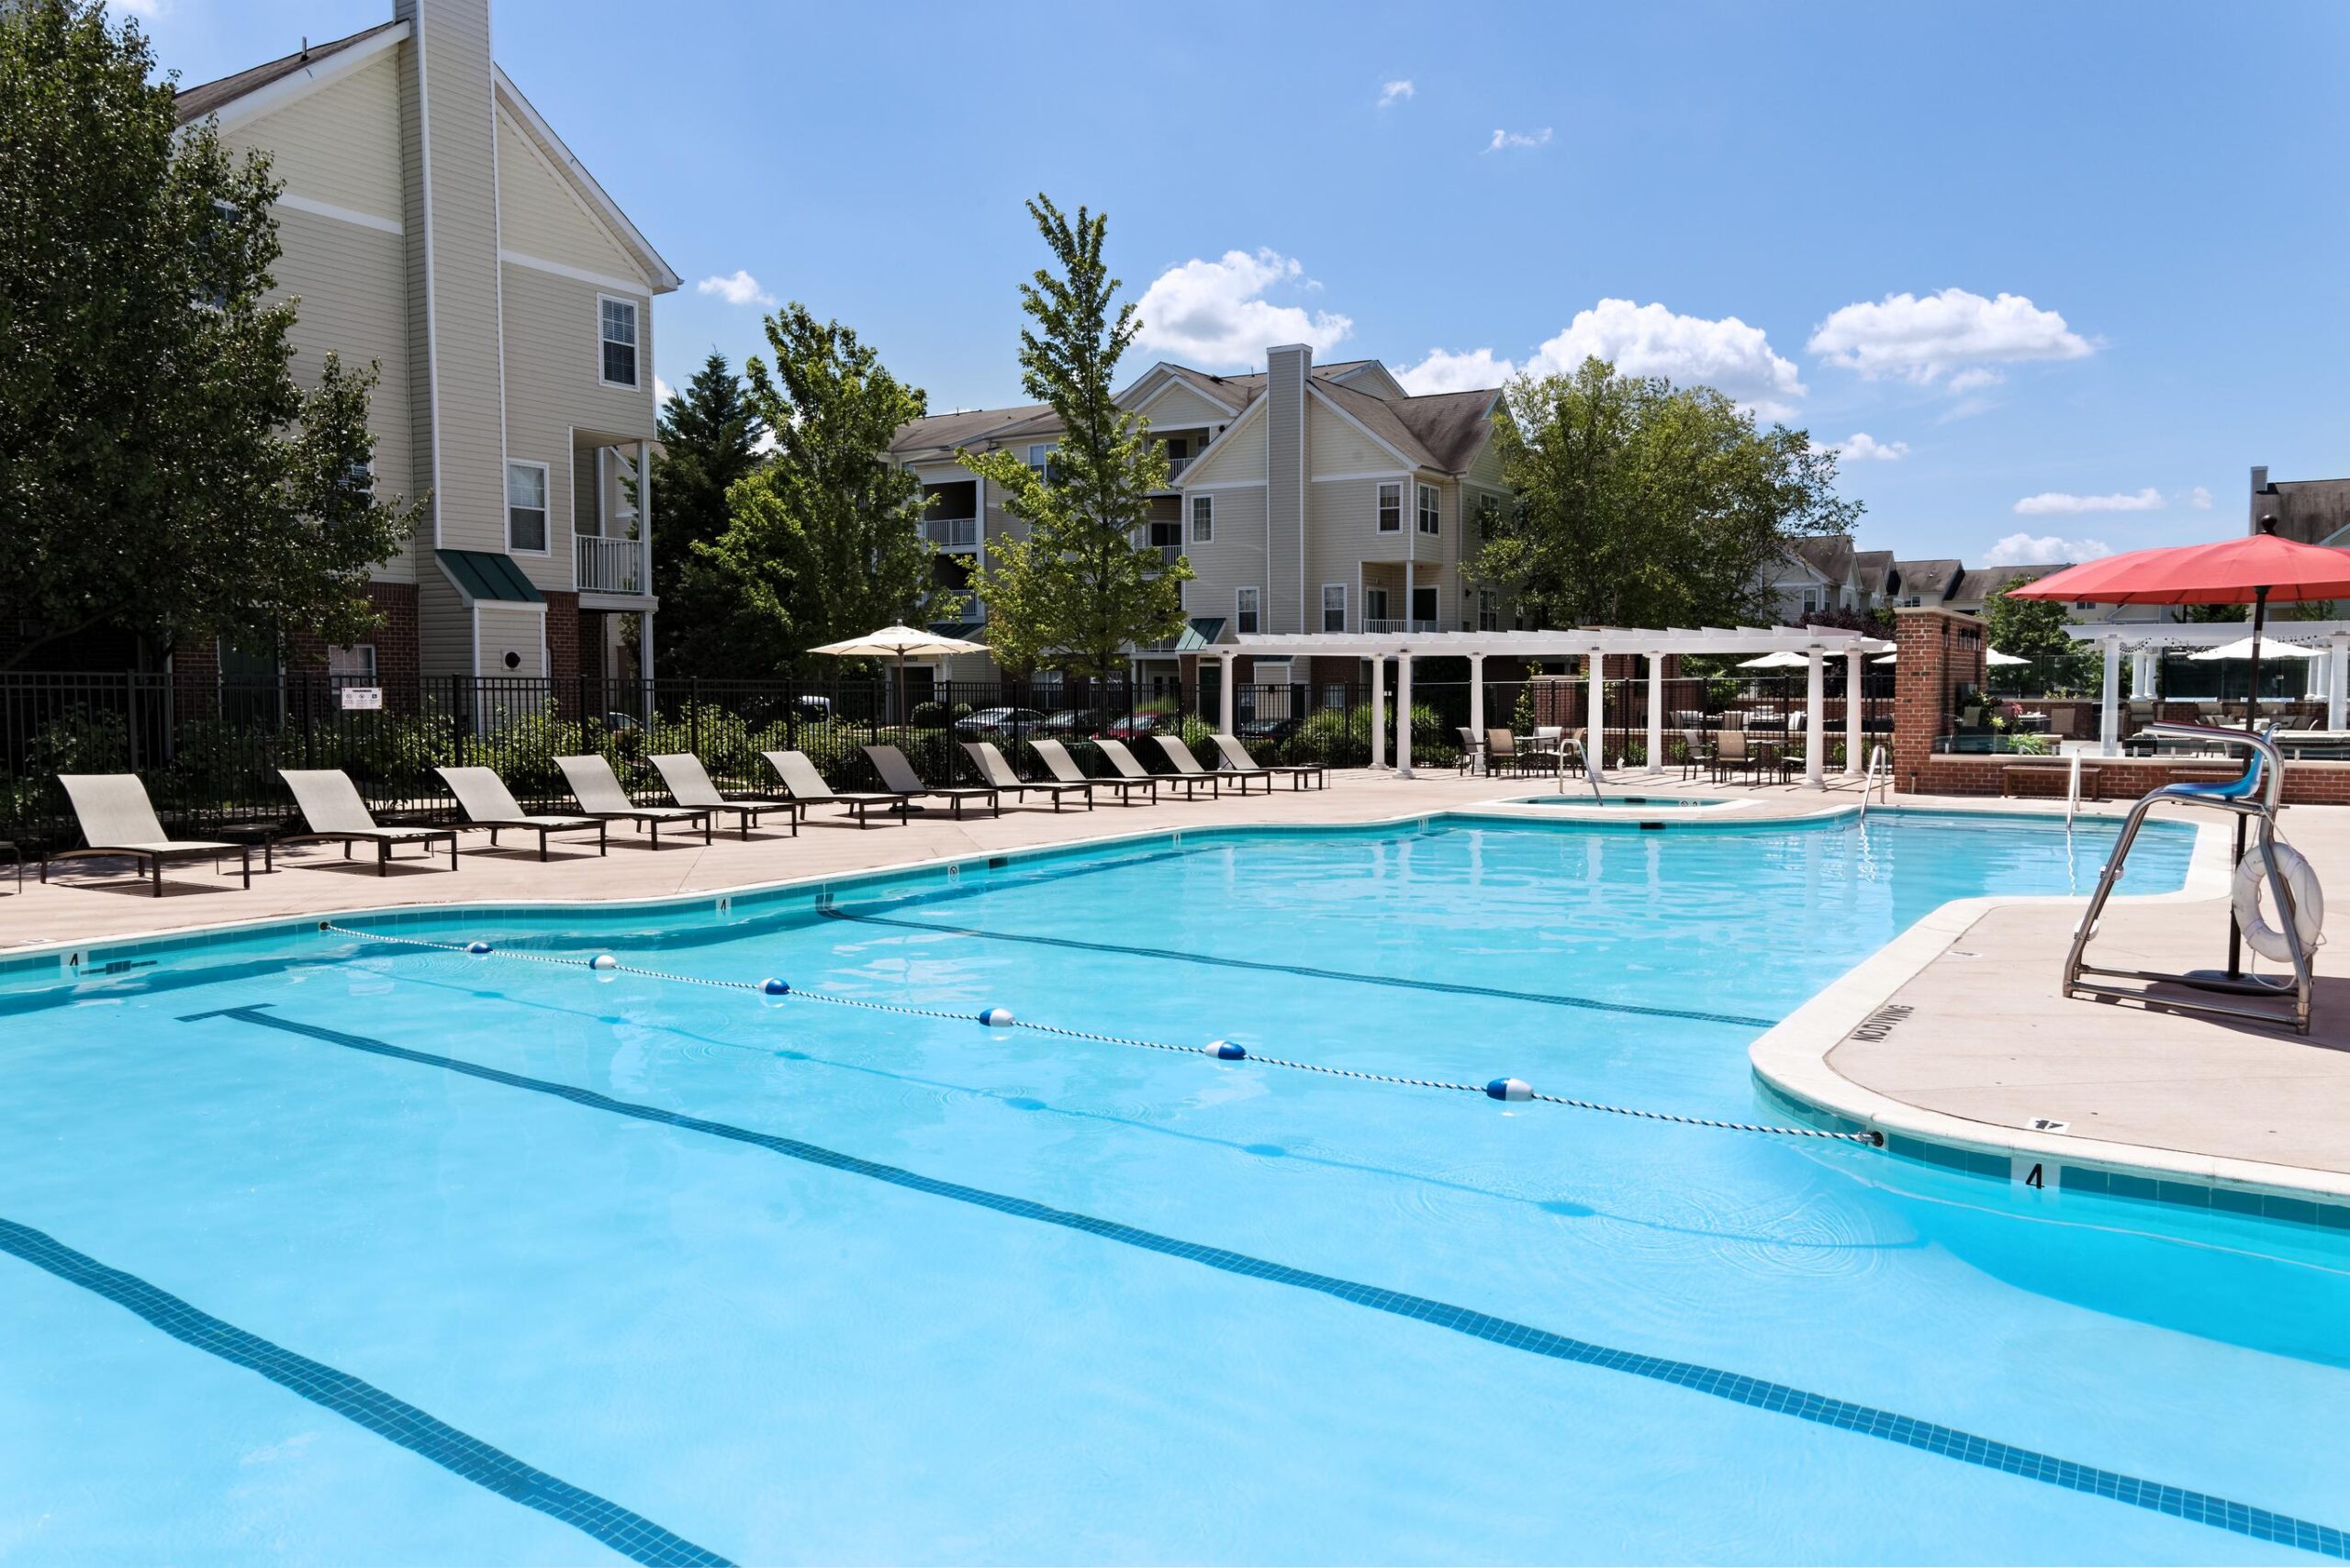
(1760, 1393)
(1301, 971)
(390, 1418)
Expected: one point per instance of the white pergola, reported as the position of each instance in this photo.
(2145, 641)
(1817, 644)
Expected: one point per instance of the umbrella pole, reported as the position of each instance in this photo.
(2251, 726)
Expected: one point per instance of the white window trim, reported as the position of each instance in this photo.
(547, 489)
(1489, 600)
(1325, 605)
(636, 309)
(1198, 537)
(1237, 613)
(1379, 507)
(1427, 519)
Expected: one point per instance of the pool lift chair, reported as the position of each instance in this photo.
(2252, 800)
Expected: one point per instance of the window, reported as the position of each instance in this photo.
(1427, 509)
(617, 329)
(1268, 673)
(1244, 609)
(1203, 519)
(1334, 607)
(1040, 461)
(1424, 608)
(1810, 600)
(1489, 609)
(1390, 508)
(1178, 447)
(526, 508)
(359, 481)
(352, 665)
(1374, 604)
(1166, 532)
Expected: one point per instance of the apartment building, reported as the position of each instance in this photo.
(435, 224)
(1307, 498)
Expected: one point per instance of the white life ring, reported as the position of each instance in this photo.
(2309, 903)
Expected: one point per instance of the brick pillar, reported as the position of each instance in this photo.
(1937, 649)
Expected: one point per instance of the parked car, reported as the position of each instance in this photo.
(1266, 729)
(1128, 727)
(990, 721)
(1069, 722)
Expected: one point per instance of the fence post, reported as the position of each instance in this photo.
(693, 712)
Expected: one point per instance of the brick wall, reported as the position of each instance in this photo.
(2118, 778)
(563, 636)
(1937, 649)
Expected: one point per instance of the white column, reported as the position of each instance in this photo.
(1409, 522)
(1403, 715)
(644, 650)
(2337, 682)
(1815, 723)
(1855, 737)
(2108, 727)
(1595, 717)
(1379, 709)
(645, 555)
(1477, 696)
(1656, 715)
(1223, 698)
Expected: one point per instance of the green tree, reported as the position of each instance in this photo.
(1085, 584)
(2027, 628)
(161, 471)
(824, 540)
(2213, 614)
(1643, 504)
(709, 439)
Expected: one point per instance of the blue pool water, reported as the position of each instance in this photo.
(318, 1248)
(1580, 797)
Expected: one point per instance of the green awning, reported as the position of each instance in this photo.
(489, 574)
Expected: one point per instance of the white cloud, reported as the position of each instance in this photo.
(1394, 92)
(1953, 334)
(1445, 371)
(2199, 498)
(1729, 355)
(1862, 447)
(741, 288)
(1503, 141)
(2056, 503)
(1215, 314)
(661, 393)
(149, 8)
(2043, 550)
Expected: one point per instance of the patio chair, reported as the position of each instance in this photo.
(1236, 756)
(1501, 751)
(997, 770)
(600, 794)
(1130, 767)
(1064, 770)
(1186, 765)
(483, 796)
(118, 819)
(1731, 754)
(688, 784)
(331, 809)
(807, 788)
(898, 775)
(1472, 745)
(1697, 753)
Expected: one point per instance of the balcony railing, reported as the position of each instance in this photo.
(611, 565)
(1175, 466)
(951, 532)
(1394, 628)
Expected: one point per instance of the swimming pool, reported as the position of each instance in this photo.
(1584, 798)
(319, 1247)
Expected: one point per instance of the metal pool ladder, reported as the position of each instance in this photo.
(1880, 769)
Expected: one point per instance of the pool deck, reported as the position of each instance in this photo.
(1983, 1047)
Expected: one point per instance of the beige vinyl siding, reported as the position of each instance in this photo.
(539, 216)
(444, 622)
(552, 389)
(512, 629)
(1182, 408)
(353, 284)
(1339, 446)
(1237, 454)
(1234, 559)
(338, 144)
(1341, 533)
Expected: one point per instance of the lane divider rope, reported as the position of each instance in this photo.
(1505, 1089)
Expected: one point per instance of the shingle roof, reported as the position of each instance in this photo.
(490, 575)
(1982, 582)
(1440, 430)
(1930, 581)
(1873, 567)
(963, 427)
(1829, 555)
(194, 102)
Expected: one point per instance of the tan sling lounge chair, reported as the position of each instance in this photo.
(600, 794)
(1064, 770)
(483, 796)
(807, 788)
(997, 770)
(898, 775)
(117, 818)
(689, 786)
(1130, 767)
(1235, 758)
(334, 813)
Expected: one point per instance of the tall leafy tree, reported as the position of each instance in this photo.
(1085, 584)
(710, 440)
(1644, 504)
(162, 470)
(824, 540)
(2027, 628)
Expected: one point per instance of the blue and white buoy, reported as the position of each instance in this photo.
(478, 949)
(776, 987)
(996, 1017)
(1510, 1089)
(1227, 1050)
(603, 961)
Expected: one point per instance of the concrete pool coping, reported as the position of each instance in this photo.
(1813, 1058)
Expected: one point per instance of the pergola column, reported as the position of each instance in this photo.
(1594, 713)
(1477, 697)
(2337, 678)
(1656, 715)
(1815, 722)
(1223, 695)
(2109, 722)
(1403, 715)
(1379, 709)
(1854, 739)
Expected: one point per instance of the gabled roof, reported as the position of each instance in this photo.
(963, 427)
(662, 276)
(1829, 555)
(1874, 570)
(194, 102)
(1982, 582)
(1441, 431)
(1930, 581)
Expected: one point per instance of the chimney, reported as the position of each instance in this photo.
(1287, 370)
(2261, 488)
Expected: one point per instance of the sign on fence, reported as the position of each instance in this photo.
(363, 697)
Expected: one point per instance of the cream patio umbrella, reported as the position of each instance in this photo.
(900, 643)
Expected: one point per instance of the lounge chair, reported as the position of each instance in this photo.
(898, 777)
(807, 788)
(117, 818)
(1064, 770)
(1186, 765)
(483, 796)
(601, 793)
(1130, 767)
(334, 813)
(1235, 758)
(689, 786)
(997, 771)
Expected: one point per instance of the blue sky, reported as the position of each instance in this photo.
(2082, 259)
